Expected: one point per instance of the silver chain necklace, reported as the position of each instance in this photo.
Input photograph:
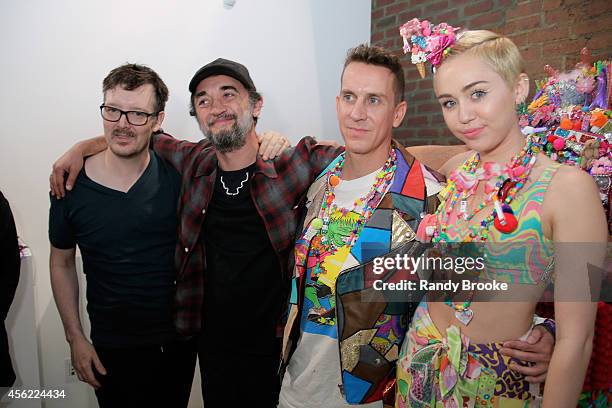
(227, 190)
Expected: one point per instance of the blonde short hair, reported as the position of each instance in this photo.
(498, 51)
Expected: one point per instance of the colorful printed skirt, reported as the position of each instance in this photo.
(438, 372)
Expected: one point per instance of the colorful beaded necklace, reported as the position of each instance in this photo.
(369, 202)
(507, 183)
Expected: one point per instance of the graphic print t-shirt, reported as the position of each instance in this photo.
(313, 376)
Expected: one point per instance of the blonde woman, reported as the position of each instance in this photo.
(502, 193)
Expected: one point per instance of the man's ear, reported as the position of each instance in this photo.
(521, 88)
(158, 122)
(257, 107)
(399, 113)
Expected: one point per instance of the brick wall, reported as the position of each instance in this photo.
(546, 31)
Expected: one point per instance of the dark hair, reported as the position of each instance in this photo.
(374, 55)
(132, 76)
(254, 97)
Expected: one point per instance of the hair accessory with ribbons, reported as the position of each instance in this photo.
(427, 42)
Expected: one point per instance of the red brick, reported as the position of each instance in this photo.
(548, 34)
(376, 37)
(523, 24)
(409, 14)
(536, 70)
(563, 47)
(387, 43)
(598, 7)
(532, 53)
(410, 71)
(574, 3)
(437, 6)
(410, 86)
(478, 8)
(437, 120)
(376, 14)
(393, 33)
(571, 61)
(520, 39)
(601, 41)
(429, 132)
(380, 3)
(421, 96)
(395, 9)
(524, 9)
(488, 20)
(505, 3)
(557, 16)
(419, 2)
(418, 120)
(428, 107)
(451, 17)
(591, 26)
(402, 134)
(551, 4)
(601, 55)
(426, 83)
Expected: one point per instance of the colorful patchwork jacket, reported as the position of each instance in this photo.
(371, 326)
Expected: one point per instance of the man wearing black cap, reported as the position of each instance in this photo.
(240, 235)
(238, 215)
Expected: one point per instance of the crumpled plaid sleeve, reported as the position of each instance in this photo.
(174, 151)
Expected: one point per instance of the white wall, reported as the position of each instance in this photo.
(54, 55)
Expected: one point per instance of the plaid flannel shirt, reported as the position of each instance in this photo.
(277, 188)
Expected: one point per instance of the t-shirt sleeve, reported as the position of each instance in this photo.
(174, 151)
(61, 232)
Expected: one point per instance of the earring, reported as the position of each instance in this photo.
(521, 108)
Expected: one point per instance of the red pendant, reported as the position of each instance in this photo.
(510, 223)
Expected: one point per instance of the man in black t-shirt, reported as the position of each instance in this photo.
(122, 215)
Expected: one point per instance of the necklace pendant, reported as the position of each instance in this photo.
(227, 190)
(464, 316)
(317, 223)
(463, 206)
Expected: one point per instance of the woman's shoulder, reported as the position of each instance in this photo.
(572, 180)
(455, 161)
(572, 204)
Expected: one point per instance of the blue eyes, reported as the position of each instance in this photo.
(448, 104)
(350, 98)
(476, 95)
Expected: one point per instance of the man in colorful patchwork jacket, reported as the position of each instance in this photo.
(342, 337)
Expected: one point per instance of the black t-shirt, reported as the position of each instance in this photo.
(127, 241)
(243, 283)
